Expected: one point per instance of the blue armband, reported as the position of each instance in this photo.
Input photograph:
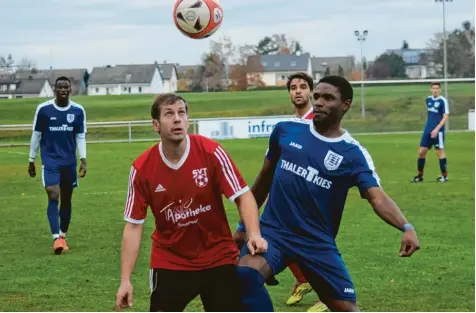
(407, 226)
(240, 226)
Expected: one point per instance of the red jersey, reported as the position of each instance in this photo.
(309, 115)
(191, 227)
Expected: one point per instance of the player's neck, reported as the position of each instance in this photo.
(301, 112)
(329, 131)
(174, 151)
(61, 103)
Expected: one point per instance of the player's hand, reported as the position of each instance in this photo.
(240, 238)
(410, 243)
(124, 296)
(82, 168)
(434, 133)
(32, 169)
(257, 244)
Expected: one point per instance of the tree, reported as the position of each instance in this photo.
(267, 46)
(227, 52)
(388, 65)
(244, 52)
(460, 51)
(26, 64)
(239, 78)
(213, 72)
(405, 45)
(6, 64)
(340, 71)
(279, 43)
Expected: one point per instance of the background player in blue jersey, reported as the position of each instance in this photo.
(434, 132)
(308, 171)
(59, 126)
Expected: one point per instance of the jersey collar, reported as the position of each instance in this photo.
(344, 136)
(66, 108)
(182, 159)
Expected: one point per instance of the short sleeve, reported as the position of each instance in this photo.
(136, 204)
(231, 183)
(82, 122)
(274, 151)
(363, 171)
(38, 120)
(445, 108)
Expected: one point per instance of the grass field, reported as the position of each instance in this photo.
(390, 108)
(440, 277)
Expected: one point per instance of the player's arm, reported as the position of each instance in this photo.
(445, 111)
(81, 143)
(368, 183)
(234, 187)
(35, 140)
(135, 213)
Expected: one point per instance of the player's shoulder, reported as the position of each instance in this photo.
(77, 106)
(203, 144)
(353, 148)
(140, 163)
(293, 123)
(45, 104)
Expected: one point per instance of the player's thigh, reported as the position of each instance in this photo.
(275, 258)
(426, 141)
(328, 276)
(50, 176)
(220, 290)
(68, 177)
(172, 291)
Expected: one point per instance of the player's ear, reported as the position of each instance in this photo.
(156, 125)
(346, 105)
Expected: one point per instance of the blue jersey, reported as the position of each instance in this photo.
(436, 107)
(310, 185)
(59, 127)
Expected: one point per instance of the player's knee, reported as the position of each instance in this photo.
(257, 263)
(249, 278)
(422, 153)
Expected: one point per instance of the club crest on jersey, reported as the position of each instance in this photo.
(70, 118)
(200, 176)
(332, 160)
(436, 104)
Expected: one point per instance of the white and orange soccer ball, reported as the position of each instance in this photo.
(198, 19)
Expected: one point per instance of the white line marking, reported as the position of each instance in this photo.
(15, 152)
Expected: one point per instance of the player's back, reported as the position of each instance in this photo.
(311, 182)
(192, 229)
(436, 107)
(59, 127)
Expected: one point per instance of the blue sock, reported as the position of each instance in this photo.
(254, 295)
(53, 217)
(65, 217)
(421, 166)
(443, 167)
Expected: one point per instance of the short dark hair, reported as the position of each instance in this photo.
(435, 84)
(165, 99)
(62, 78)
(342, 84)
(300, 75)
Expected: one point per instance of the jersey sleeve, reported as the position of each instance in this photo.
(445, 108)
(274, 151)
(81, 126)
(231, 183)
(39, 120)
(136, 204)
(364, 174)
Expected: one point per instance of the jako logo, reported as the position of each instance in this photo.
(295, 145)
(62, 128)
(349, 290)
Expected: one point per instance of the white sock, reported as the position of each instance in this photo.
(55, 236)
(63, 235)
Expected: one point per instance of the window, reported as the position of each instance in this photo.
(276, 64)
(125, 89)
(293, 63)
(3, 88)
(97, 90)
(140, 89)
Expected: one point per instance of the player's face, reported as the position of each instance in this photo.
(435, 90)
(299, 92)
(62, 89)
(173, 122)
(329, 107)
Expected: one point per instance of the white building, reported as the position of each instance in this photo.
(170, 76)
(126, 79)
(25, 88)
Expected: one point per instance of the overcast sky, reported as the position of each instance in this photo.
(88, 33)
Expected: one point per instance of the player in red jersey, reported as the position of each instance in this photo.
(182, 179)
(300, 86)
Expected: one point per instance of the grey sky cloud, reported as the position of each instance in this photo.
(87, 33)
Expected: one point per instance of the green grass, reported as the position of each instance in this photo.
(389, 108)
(440, 277)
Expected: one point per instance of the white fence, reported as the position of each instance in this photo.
(215, 128)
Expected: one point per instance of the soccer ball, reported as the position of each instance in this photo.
(198, 19)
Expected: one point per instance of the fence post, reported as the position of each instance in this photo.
(195, 127)
(130, 132)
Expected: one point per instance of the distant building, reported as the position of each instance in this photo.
(25, 88)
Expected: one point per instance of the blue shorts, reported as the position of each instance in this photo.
(62, 176)
(428, 142)
(324, 268)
